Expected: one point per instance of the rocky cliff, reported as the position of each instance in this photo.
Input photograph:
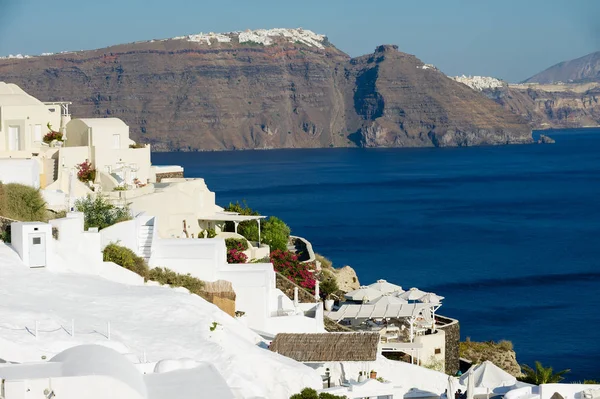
(280, 88)
(544, 106)
(551, 106)
(500, 353)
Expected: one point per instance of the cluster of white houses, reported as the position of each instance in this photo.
(167, 236)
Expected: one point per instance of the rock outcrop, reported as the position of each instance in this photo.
(551, 106)
(545, 139)
(346, 278)
(279, 88)
(500, 353)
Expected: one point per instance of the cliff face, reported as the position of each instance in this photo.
(544, 107)
(266, 89)
(400, 102)
(582, 69)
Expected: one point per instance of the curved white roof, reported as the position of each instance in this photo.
(85, 360)
(102, 122)
(13, 95)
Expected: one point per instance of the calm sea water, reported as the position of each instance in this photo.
(509, 235)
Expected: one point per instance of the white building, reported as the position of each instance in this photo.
(24, 120)
(104, 142)
(98, 372)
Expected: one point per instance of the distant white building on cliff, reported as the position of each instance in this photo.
(479, 82)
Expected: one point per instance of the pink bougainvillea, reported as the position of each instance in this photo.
(287, 263)
(51, 136)
(85, 171)
(236, 256)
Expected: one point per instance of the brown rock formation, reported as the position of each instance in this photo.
(500, 353)
(552, 106)
(184, 95)
(400, 102)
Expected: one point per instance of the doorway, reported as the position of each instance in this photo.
(37, 250)
(14, 139)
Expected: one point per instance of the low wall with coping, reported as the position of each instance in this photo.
(168, 175)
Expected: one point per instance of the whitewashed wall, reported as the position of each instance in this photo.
(22, 171)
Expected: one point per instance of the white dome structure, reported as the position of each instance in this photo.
(85, 360)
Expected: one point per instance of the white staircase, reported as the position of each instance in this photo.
(145, 234)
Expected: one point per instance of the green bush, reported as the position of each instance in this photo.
(328, 286)
(210, 233)
(5, 234)
(126, 258)
(325, 263)
(100, 213)
(21, 202)
(309, 393)
(276, 233)
(248, 229)
(238, 244)
(169, 277)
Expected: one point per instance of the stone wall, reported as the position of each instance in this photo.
(169, 175)
(452, 329)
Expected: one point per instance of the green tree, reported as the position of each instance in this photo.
(248, 229)
(21, 202)
(275, 233)
(100, 213)
(309, 393)
(328, 286)
(541, 374)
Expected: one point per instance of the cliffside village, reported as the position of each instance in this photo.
(55, 341)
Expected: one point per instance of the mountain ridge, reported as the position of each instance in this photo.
(203, 92)
(578, 70)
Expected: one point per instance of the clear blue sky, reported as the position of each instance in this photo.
(507, 39)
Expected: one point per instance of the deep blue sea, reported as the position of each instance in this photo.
(510, 235)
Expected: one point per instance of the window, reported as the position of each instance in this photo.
(437, 351)
(37, 133)
(37, 240)
(52, 109)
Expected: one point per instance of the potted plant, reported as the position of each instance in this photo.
(373, 374)
(329, 302)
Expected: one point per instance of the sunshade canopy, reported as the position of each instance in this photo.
(430, 297)
(369, 311)
(384, 286)
(363, 294)
(488, 375)
(413, 294)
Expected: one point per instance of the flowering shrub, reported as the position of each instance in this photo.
(52, 135)
(238, 244)
(236, 256)
(85, 171)
(287, 263)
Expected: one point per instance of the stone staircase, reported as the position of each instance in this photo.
(145, 235)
